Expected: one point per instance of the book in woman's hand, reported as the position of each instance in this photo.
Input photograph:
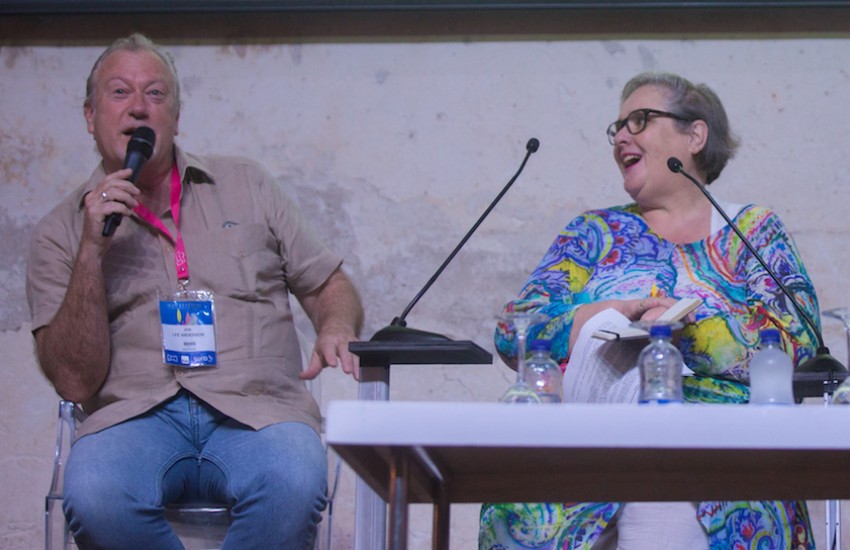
(677, 312)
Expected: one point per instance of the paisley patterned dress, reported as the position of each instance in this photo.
(613, 254)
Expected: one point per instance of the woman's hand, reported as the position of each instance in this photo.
(643, 309)
(653, 308)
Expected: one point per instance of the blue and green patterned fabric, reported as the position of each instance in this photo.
(613, 254)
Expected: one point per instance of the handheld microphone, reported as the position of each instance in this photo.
(397, 330)
(139, 150)
(822, 361)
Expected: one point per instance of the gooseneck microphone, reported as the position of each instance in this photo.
(822, 361)
(139, 150)
(397, 330)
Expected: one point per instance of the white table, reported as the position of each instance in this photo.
(444, 453)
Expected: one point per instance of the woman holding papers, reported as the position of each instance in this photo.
(639, 260)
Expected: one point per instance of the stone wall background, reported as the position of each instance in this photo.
(394, 148)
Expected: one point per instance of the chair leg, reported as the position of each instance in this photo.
(48, 527)
(337, 470)
(324, 534)
(54, 518)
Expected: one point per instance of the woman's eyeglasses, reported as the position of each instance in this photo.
(635, 122)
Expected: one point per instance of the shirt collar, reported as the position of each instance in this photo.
(192, 169)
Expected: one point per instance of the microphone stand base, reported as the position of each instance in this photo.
(398, 333)
(822, 362)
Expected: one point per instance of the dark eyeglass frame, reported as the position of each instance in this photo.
(632, 120)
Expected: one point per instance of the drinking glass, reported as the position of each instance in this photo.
(520, 321)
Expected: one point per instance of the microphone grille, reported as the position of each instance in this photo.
(674, 164)
(142, 141)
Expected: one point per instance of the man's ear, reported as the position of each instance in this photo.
(88, 113)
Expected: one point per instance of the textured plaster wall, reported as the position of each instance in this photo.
(394, 150)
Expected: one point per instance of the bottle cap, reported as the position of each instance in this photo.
(769, 335)
(660, 331)
(540, 345)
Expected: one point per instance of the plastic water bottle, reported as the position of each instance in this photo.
(771, 372)
(660, 366)
(542, 372)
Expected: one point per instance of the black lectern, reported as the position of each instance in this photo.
(376, 357)
(398, 344)
(449, 352)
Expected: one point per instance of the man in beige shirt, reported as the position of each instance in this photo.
(176, 335)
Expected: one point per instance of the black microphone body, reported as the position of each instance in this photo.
(822, 361)
(397, 330)
(139, 150)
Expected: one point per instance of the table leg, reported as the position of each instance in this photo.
(442, 520)
(832, 508)
(399, 496)
(370, 510)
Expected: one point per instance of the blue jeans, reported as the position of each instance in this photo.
(117, 481)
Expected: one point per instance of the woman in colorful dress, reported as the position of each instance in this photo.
(639, 259)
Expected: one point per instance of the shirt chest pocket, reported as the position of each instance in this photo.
(239, 260)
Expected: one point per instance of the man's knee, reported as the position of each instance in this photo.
(292, 468)
(282, 484)
(99, 487)
(92, 493)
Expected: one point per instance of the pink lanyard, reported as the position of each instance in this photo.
(180, 261)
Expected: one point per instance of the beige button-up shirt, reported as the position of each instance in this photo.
(247, 243)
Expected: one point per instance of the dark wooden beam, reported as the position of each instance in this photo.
(419, 25)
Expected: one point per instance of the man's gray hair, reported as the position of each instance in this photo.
(134, 43)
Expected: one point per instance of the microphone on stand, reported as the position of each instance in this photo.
(139, 150)
(397, 331)
(822, 361)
